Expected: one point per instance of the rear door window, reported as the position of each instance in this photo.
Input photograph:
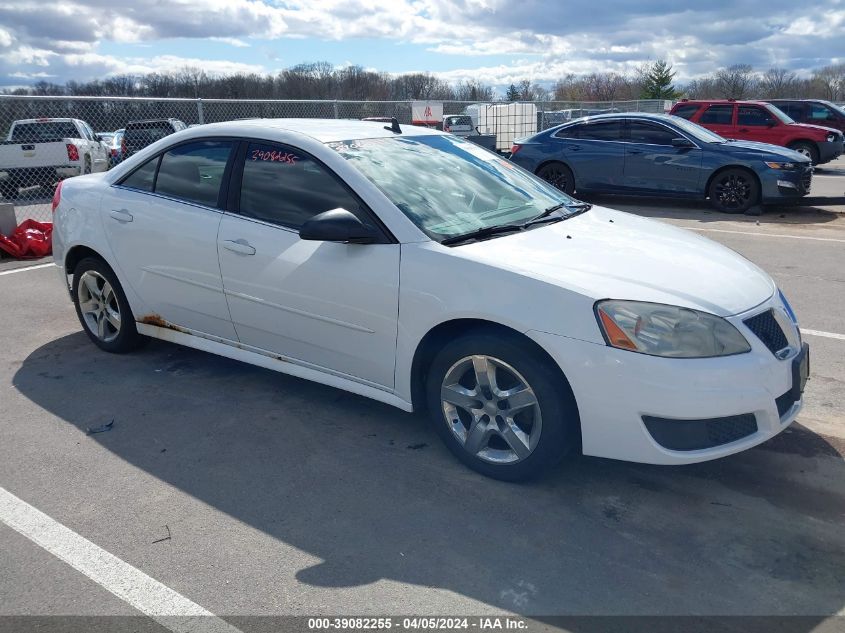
(194, 171)
(718, 115)
(601, 131)
(142, 178)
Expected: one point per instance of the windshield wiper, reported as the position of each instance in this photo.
(480, 233)
(577, 207)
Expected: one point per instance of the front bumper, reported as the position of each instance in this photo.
(778, 184)
(616, 389)
(830, 151)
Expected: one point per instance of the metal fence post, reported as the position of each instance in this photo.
(335, 109)
(200, 116)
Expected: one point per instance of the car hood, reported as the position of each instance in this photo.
(606, 254)
(776, 151)
(816, 128)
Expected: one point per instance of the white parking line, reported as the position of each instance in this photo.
(758, 234)
(23, 270)
(841, 337)
(161, 603)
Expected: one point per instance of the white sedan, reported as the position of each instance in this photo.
(417, 269)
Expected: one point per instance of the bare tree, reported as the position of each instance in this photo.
(831, 81)
(777, 82)
(735, 82)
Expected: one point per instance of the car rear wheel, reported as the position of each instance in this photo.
(734, 191)
(558, 175)
(102, 307)
(500, 407)
(808, 149)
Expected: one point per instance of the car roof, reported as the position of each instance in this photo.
(721, 102)
(649, 116)
(322, 130)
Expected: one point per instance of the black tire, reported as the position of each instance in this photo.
(734, 191)
(127, 337)
(558, 424)
(559, 175)
(9, 190)
(808, 149)
(86, 169)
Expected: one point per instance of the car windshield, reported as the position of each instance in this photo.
(450, 187)
(43, 131)
(696, 131)
(833, 106)
(783, 116)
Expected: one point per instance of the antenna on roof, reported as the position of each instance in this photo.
(394, 126)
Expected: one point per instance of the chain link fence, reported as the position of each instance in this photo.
(36, 153)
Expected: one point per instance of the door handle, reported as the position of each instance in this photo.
(635, 151)
(121, 215)
(241, 247)
(574, 148)
(743, 129)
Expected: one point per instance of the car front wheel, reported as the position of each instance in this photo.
(734, 191)
(102, 307)
(501, 407)
(808, 149)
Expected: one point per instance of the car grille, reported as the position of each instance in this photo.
(807, 180)
(766, 328)
(692, 435)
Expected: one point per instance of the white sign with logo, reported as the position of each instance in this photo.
(426, 112)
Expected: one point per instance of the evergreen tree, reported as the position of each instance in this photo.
(513, 93)
(657, 81)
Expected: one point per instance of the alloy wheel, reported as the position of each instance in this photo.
(733, 191)
(99, 306)
(491, 409)
(555, 176)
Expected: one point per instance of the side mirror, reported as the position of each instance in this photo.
(338, 225)
(682, 142)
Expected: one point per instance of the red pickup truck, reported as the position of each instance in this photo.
(763, 122)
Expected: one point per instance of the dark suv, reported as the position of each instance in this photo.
(814, 111)
(139, 134)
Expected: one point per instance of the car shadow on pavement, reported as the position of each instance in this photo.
(700, 211)
(372, 493)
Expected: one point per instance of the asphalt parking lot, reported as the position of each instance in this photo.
(248, 493)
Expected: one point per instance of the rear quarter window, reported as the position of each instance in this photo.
(686, 111)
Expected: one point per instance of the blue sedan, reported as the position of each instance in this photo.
(663, 155)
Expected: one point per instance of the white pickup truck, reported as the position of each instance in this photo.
(41, 152)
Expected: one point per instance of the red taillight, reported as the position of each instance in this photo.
(114, 153)
(123, 145)
(446, 128)
(72, 152)
(57, 196)
(515, 149)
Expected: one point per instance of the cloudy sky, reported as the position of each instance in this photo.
(495, 41)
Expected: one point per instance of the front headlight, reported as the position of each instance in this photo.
(784, 166)
(831, 137)
(664, 330)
